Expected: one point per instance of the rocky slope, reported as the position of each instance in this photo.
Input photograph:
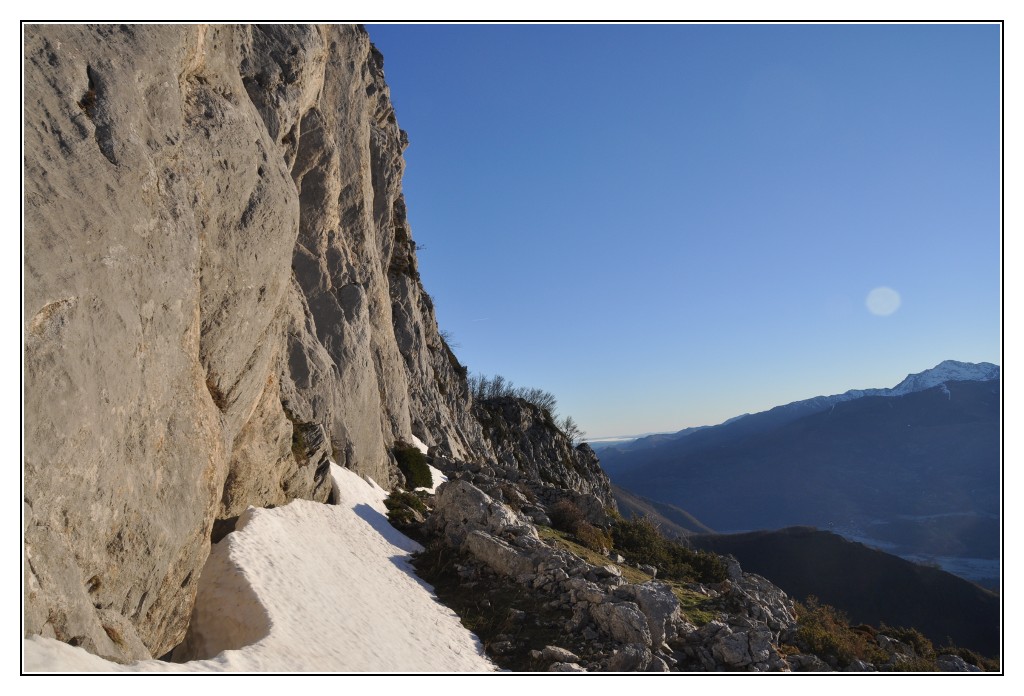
(528, 446)
(220, 291)
(541, 602)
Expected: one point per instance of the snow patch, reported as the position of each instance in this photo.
(307, 587)
(436, 477)
(418, 443)
(946, 371)
(938, 376)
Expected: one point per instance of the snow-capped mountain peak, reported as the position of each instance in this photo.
(946, 371)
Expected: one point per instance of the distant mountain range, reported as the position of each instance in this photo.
(913, 469)
(946, 371)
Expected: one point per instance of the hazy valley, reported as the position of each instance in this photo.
(913, 470)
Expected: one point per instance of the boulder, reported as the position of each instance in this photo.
(630, 658)
(732, 650)
(557, 654)
(623, 621)
(497, 554)
(754, 597)
(586, 591)
(565, 667)
(460, 508)
(659, 606)
(740, 645)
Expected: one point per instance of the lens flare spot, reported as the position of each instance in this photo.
(883, 301)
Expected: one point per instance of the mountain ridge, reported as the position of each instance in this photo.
(945, 371)
(916, 473)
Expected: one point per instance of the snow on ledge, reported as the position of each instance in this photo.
(418, 443)
(307, 587)
(436, 477)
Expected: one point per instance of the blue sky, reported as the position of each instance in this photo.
(668, 226)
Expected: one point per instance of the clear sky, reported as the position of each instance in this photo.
(667, 226)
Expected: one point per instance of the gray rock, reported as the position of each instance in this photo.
(500, 556)
(503, 647)
(755, 598)
(732, 649)
(558, 654)
(954, 663)
(711, 629)
(460, 507)
(659, 606)
(731, 643)
(732, 569)
(630, 658)
(623, 621)
(807, 663)
(586, 591)
(73, 618)
(126, 451)
(540, 518)
(761, 650)
(217, 259)
(897, 650)
(649, 569)
(565, 667)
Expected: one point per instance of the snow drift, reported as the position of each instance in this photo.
(306, 587)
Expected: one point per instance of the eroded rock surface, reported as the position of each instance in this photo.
(220, 292)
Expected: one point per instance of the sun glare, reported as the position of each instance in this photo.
(883, 301)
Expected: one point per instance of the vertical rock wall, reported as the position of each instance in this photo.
(220, 290)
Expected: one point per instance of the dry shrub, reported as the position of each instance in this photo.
(594, 538)
(566, 515)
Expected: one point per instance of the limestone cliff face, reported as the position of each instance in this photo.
(221, 290)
